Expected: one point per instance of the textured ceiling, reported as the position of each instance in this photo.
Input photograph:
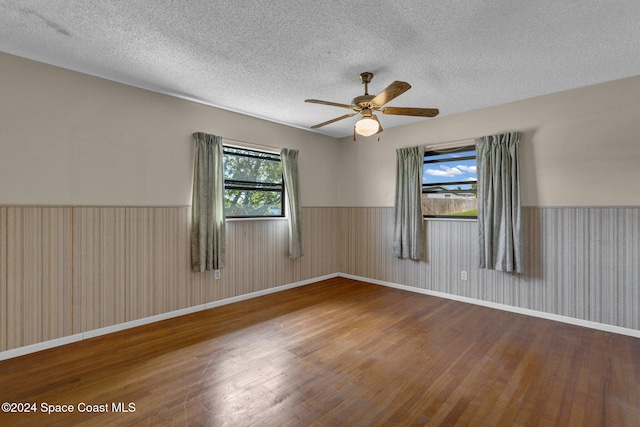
(265, 58)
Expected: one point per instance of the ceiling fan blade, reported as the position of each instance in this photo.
(328, 122)
(334, 104)
(394, 90)
(418, 112)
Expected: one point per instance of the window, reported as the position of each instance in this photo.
(449, 183)
(253, 184)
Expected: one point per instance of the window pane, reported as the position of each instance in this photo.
(447, 204)
(449, 184)
(450, 171)
(253, 183)
(247, 165)
(459, 187)
(250, 153)
(446, 156)
(248, 185)
(247, 203)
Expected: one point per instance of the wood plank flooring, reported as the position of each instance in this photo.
(336, 353)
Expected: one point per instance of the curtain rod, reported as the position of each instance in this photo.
(451, 144)
(250, 144)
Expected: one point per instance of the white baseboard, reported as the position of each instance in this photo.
(541, 314)
(21, 351)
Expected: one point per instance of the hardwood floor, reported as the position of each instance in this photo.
(336, 353)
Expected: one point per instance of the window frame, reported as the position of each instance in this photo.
(450, 150)
(232, 184)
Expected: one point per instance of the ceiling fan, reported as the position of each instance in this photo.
(366, 105)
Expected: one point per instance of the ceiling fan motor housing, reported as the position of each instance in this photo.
(363, 101)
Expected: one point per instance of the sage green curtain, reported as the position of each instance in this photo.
(499, 216)
(207, 205)
(408, 237)
(289, 159)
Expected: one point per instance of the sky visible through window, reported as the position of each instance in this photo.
(451, 170)
(449, 184)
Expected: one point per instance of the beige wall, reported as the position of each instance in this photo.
(580, 148)
(580, 160)
(71, 139)
(114, 166)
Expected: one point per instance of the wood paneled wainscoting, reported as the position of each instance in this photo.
(580, 262)
(69, 271)
(337, 352)
(65, 271)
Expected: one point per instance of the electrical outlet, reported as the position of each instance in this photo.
(463, 275)
(216, 274)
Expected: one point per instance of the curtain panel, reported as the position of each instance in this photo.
(499, 213)
(408, 236)
(289, 160)
(207, 204)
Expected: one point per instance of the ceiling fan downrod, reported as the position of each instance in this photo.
(365, 78)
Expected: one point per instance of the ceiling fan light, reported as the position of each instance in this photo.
(367, 127)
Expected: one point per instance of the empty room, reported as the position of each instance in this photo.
(218, 213)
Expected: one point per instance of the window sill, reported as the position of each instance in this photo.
(279, 218)
(451, 219)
